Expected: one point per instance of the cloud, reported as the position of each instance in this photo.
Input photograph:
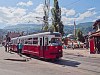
(86, 14)
(70, 12)
(67, 12)
(10, 15)
(68, 21)
(39, 9)
(68, 16)
(98, 17)
(90, 9)
(29, 3)
(17, 15)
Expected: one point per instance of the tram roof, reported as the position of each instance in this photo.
(39, 34)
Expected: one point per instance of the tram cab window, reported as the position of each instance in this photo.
(56, 41)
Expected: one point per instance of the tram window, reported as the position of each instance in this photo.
(22, 41)
(29, 38)
(25, 42)
(14, 41)
(40, 41)
(46, 41)
(11, 41)
(35, 41)
(29, 41)
(35, 38)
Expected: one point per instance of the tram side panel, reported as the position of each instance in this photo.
(33, 50)
(53, 52)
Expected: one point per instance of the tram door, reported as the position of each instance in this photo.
(42, 47)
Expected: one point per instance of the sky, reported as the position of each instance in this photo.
(14, 12)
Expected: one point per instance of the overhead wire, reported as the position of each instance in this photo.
(73, 3)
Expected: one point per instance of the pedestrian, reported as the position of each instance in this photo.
(19, 48)
(10, 48)
(5, 47)
(78, 44)
(72, 45)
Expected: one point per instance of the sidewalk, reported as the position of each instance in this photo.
(81, 52)
(14, 56)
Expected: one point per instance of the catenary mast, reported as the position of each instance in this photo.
(46, 15)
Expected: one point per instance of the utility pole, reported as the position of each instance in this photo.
(46, 15)
(74, 29)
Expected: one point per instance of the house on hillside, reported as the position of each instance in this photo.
(95, 38)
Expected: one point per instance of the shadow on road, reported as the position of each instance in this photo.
(67, 63)
(62, 62)
(21, 60)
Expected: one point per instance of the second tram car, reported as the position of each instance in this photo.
(45, 45)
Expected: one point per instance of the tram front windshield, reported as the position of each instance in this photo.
(56, 41)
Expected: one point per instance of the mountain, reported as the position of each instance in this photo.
(24, 27)
(30, 28)
(85, 27)
(2, 33)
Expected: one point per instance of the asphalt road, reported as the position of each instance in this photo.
(13, 64)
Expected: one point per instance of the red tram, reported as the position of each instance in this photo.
(45, 45)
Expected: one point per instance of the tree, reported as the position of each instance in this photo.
(56, 18)
(80, 36)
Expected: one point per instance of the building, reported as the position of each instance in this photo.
(95, 38)
(10, 35)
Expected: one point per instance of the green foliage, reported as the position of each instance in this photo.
(56, 18)
(51, 28)
(80, 35)
(45, 28)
